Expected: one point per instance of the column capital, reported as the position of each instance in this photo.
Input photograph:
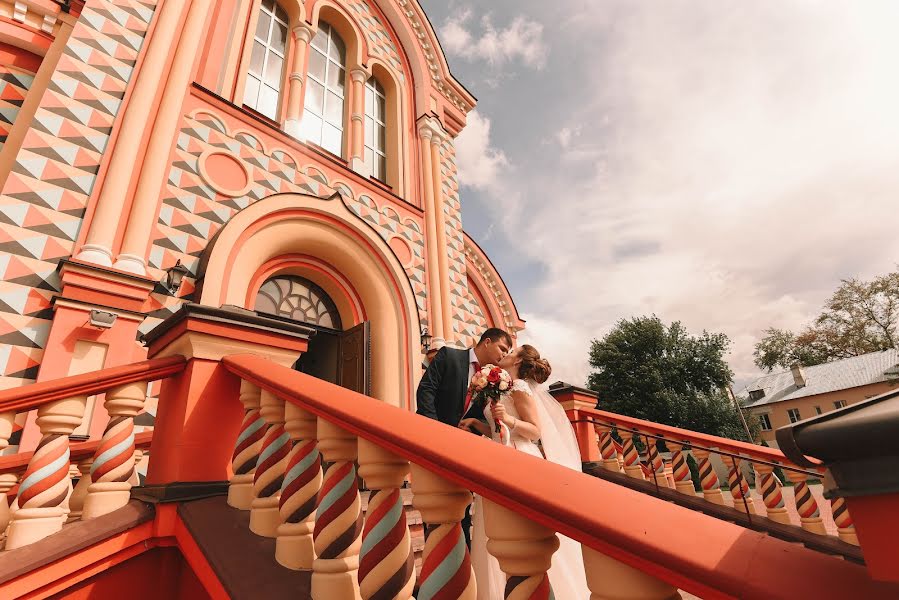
(359, 74)
(303, 32)
(430, 129)
(296, 77)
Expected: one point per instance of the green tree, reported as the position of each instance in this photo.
(646, 369)
(860, 317)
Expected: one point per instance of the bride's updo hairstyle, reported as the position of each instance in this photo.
(532, 366)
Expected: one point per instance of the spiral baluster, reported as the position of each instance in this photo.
(739, 487)
(656, 463)
(843, 521)
(772, 494)
(607, 448)
(246, 449)
(632, 464)
(683, 479)
(806, 505)
(708, 479)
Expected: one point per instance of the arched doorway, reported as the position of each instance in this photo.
(334, 355)
(321, 240)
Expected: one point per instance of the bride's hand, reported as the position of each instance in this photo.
(500, 414)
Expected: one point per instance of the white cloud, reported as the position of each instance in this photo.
(520, 41)
(745, 161)
(478, 162)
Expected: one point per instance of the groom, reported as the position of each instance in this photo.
(443, 391)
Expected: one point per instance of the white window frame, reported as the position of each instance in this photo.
(375, 145)
(315, 123)
(791, 412)
(837, 405)
(258, 83)
(765, 421)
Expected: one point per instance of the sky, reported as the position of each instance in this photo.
(722, 164)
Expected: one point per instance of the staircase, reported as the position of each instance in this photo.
(237, 503)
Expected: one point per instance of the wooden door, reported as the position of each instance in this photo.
(354, 359)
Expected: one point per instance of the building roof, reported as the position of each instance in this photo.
(874, 367)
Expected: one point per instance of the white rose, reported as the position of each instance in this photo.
(503, 385)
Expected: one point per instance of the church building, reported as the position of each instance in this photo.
(294, 158)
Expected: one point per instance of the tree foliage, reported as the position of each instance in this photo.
(646, 369)
(860, 317)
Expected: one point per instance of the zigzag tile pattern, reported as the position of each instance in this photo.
(45, 196)
(192, 212)
(14, 85)
(380, 43)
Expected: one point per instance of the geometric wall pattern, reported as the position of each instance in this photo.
(44, 198)
(14, 84)
(192, 212)
(379, 42)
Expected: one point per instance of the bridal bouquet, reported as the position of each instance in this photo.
(487, 385)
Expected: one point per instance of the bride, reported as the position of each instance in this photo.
(529, 414)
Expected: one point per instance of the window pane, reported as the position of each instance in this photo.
(317, 62)
(369, 131)
(268, 102)
(369, 159)
(311, 129)
(280, 13)
(334, 109)
(269, 4)
(337, 51)
(251, 93)
(315, 94)
(380, 140)
(279, 38)
(273, 70)
(381, 112)
(262, 26)
(257, 58)
(335, 79)
(381, 170)
(332, 139)
(320, 40)
(369, 100)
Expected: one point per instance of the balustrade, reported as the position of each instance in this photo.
(270, 466)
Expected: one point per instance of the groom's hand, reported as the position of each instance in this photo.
(471, 425)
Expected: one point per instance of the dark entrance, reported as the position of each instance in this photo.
(334, 355)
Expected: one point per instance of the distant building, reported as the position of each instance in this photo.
(779, 399)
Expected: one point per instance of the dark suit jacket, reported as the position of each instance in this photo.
(441, 393)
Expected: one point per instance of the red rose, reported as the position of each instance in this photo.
(495, 375)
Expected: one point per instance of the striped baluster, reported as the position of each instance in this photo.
(246, 450)
(386, 562)
(267, 479)
(632, 465)
(446, 570)
(338, 518)
(529, 588)
(843, 520)
(8, 480)
(299, 497)
(446, 566)
(683, 479)
(739, 487)
(607, 448)
(619, 450)
(657, 465)
(708, 479)
(806, 505)
(772, 493)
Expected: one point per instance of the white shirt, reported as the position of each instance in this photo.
(472, 359)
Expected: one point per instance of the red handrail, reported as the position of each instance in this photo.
(32, 396)
(694, 438)
(700, 554)
(77, 452)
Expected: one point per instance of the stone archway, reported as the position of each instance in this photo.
(290, 225)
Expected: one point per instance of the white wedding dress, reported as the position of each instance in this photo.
(566, 576)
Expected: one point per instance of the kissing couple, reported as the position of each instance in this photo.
(527, 414)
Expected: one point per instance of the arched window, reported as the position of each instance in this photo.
(325, 91)
(376, 129)
(299, 299)
(267, 60)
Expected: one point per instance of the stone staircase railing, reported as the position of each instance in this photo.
(634, 545)
(670, 469)
(42, 480)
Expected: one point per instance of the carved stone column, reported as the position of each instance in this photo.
(114, 459)
(338, 520)
(302, 35)
(446, 565)
(358, 77)
(431, 244)
(299, 491)
(386, 561)
(246, 449)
